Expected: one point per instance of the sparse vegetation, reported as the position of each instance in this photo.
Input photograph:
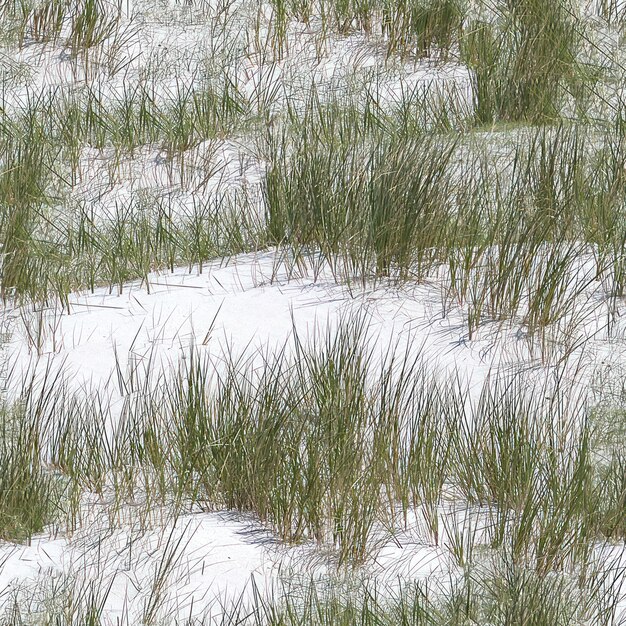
(443, 180)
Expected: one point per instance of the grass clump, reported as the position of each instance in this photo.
(30, 496)
(371, 194)
(524, 62)
(326, 441)
(47, 21)
(425, 27)
(537, 473)
(306, 445)
(409, 28)
(91, 25)
(85, 24)
(312, 443)
(373, 201)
